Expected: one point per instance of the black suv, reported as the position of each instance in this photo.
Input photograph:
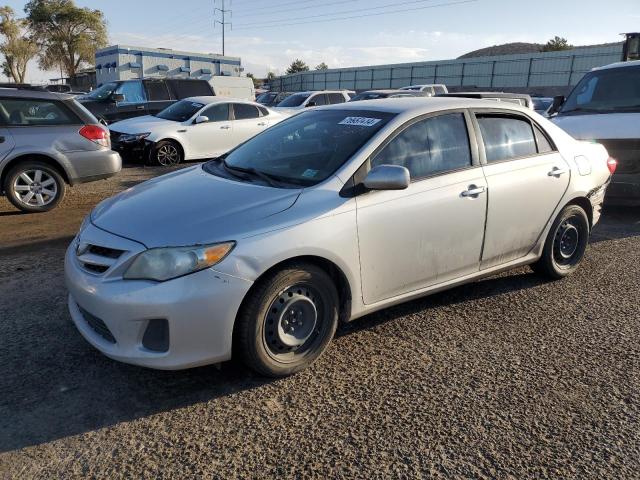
(122, 99)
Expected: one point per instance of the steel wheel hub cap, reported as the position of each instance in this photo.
(35, 188)
(568, 241)
(296, 321)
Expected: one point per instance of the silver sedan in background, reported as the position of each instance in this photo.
(330, 215)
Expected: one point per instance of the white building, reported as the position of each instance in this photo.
(123, 62)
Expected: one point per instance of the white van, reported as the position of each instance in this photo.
(604, 107)
(234, 87)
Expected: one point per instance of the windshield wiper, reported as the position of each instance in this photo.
(270, 180)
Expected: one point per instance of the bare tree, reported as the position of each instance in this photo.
(17, 46)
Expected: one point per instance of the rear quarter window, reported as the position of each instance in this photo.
(35, 112)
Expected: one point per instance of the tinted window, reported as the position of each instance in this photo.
(157, 91)
(35, 112)
(438, 89)
(506, 137)
(243, 111)
(430, 146)
(180, 111)
(336, 98)
(318, 99)
(368, 96)
(544, 145)
(217, 113)
(102, 92)
(294, 100)
(263, 111)
(266, 98)
(190, 88)
(132, 91)
(307, 148)
(606, 90)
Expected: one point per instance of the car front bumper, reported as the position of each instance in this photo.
(199, 309)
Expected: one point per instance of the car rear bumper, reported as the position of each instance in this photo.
(624, 189)
(196, 313)
(93, 165)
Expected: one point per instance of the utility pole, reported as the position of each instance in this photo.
(223, 18)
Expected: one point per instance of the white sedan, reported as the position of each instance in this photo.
(193, 128)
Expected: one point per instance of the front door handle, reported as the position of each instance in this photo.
(225, 127)
(262, 124)
(140, 107)
(556, 172)
(473, 191)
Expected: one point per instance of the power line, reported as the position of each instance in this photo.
(248, 26)
(273, 12)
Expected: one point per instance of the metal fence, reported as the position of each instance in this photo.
(535, 71)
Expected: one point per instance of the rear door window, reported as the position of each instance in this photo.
(27, 112)
(157, 90)
(244, 111)
(506, 137)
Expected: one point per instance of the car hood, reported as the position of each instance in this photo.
(191, 207)
(146, 123)
(597, 126)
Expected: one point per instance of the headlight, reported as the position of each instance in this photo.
(133, 137)
(162, 264)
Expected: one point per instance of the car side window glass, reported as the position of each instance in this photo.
(26, 112)
(319, 99)
(544, 145)
(438, 89)
(336, 98)
(217, 113)
(157, 91)
(428, 147)
(132, 91)
(243, 111)
(506, 137)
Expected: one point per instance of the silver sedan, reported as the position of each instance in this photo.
(328, 216)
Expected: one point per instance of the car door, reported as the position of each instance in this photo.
(526, 178)
(212, 138)
(246, 122)
(158, 97)
(431, 232)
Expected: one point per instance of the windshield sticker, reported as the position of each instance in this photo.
(309, 173)
(360, 121)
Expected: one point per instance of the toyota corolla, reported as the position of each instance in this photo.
(329, 215)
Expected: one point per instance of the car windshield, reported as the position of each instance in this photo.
(294, 100)
(266, 98)
(180, 111)
(102, 92)
(609, 90)
(368, 96)
(541, 103)
(307, 148)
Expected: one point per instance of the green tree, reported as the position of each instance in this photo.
(68, 35)
(17, 46)
(256, 81)
(271, 76)
(322, 66)
(297, 66)
(556, 44)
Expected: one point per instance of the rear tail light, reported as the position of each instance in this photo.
(96, 134)
(612, 163)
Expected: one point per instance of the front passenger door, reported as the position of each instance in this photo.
(431, 232)
(212, 138)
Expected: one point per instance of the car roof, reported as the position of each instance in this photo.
(210, 99)
(422, 105)
(632, 63)
(383, 90)
(32, 93)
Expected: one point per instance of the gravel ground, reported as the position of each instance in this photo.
(511, 377)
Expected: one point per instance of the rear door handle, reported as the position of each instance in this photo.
(556, 172)
(473, 191)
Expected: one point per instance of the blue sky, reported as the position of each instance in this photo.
(264, 43)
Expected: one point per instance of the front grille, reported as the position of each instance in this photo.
(97, 325)
(626, 152)
(97, 259)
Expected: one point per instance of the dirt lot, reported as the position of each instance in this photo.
(511, 377)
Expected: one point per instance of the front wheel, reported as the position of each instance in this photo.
(288, 320)
(566, 243)
(34, 187)
(166, 153)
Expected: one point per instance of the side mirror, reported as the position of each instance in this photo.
(311, 104)
(387, 177)
(201, 119)
(117, 97)
(558, 101)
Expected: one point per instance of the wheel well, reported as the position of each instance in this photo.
(174, 141)
(586, 206)
(33, 157)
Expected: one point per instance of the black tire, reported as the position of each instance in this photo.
(287, 299)
(166, 153)
(565, 244)
(34, 186)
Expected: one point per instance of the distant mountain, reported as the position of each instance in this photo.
(505, 49)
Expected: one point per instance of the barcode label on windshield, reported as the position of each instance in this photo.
(360, 121)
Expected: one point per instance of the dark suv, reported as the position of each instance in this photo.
(122, 99)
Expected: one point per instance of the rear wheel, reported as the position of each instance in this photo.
(565, 244)
(166, 153)
(288, 320)
(34, 187)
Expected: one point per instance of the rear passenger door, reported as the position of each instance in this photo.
(526, 178)
(246, 122)
(158, 97)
